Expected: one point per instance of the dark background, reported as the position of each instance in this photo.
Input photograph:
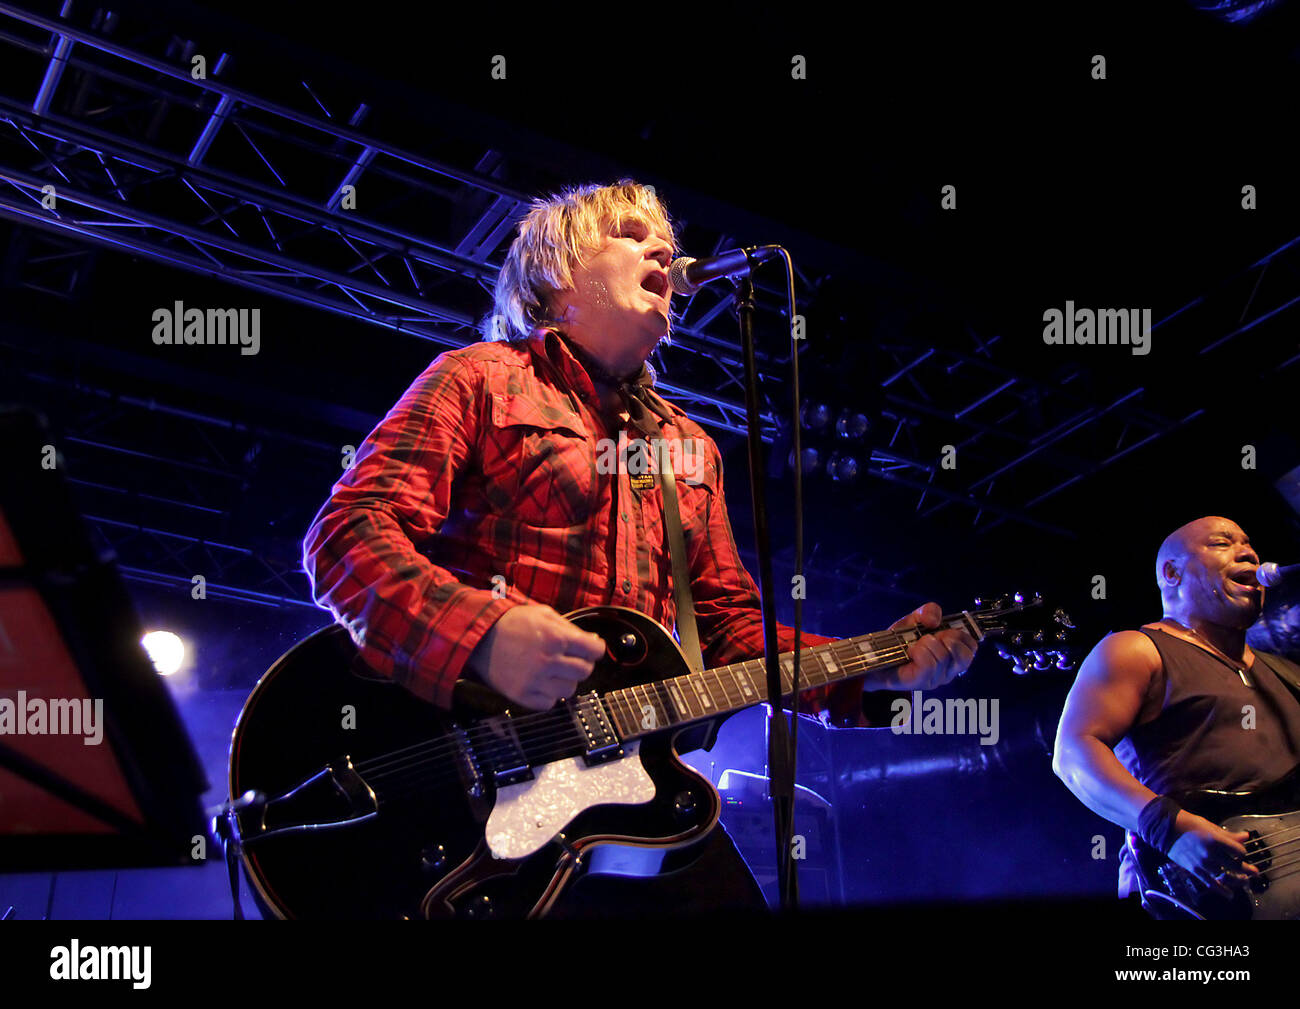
(1122, 192)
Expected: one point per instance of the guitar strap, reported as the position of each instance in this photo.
(686, 630)
(1288, 678)
(643, 405)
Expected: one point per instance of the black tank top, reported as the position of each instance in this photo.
(1200, 738)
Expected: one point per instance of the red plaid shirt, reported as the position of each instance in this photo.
(481, 490)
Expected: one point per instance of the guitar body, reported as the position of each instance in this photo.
(353, 799)
(380, 806)
(1272, 817)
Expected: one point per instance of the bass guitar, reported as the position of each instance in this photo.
(1271, 815)
(361, 801)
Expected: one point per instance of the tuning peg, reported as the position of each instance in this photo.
(1017, 639)
(1018, 668)
(979, 602)
(1063, 618)
(1064, 661)
(1038, 599)
(1041, 661)
(1019, 597)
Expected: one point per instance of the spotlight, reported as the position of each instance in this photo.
(842, 467)
(812, 460)
(1235, 11)
(851, 424)
(166, 650)
(815, 416)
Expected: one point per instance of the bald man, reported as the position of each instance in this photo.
(1163, 709)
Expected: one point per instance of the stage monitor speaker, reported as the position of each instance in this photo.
(96, 769)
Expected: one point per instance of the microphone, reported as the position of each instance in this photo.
(1270, 574)
(687, 275)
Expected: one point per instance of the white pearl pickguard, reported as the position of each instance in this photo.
(529, 814)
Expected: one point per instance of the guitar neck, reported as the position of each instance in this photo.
(680, 700)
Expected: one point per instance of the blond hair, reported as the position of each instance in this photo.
(558, 234)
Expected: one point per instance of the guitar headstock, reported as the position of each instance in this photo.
(1028, 635)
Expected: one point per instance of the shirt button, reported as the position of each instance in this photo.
(625, 516)
(627, 585)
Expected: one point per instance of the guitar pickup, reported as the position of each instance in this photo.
(599, 740)
(504, 752)
(1255, 847)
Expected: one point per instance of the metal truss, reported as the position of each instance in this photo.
(128, 151)
(176, 492)
(1039, 437)
(1020, 441)
(222, 181)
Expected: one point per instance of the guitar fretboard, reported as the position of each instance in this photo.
(650, 707)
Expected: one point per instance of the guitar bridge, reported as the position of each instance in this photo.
(471, 775)
(600, 742)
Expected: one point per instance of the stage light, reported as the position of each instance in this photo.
(166, 650)
(852, 424)
(842, 467)
(812, 460)
(815, 416)
(1235, 11)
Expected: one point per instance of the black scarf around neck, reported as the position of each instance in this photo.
(636, 390)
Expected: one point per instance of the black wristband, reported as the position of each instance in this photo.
(1156, 823)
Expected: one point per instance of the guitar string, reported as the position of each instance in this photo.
(1268, 850)
(562, 727)
(562, 720)
(1273, 876)
(551, 728)
(890, 654)
(1282, 875)
(405, 775)
(410, 777)
(1284, 865)
(563, 731)
(415, 769)
(896, 652)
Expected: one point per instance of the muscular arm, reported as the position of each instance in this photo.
(1103, 705)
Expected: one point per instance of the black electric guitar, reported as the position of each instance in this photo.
(369, 803)
(1272, 817)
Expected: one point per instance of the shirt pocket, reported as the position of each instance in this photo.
(553, 462)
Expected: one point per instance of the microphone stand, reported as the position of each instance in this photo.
(780, 757)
